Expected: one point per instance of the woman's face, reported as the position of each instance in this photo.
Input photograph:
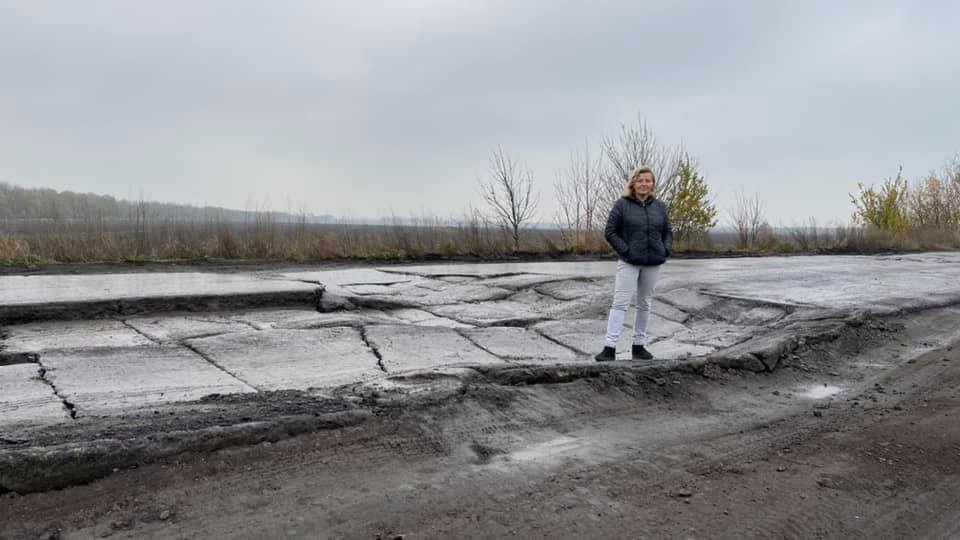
(643, 185)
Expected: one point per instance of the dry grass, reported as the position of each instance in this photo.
(849, 239)
(263, 238)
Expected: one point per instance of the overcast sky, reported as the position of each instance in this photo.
(365, 109)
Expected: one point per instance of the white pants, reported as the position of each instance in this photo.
(631, 278)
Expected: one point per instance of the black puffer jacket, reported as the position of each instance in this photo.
(640, 232)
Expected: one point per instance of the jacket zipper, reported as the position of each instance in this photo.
(647, 239)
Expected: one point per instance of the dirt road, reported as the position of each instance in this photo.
(857, 438)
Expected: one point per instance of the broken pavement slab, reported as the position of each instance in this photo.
(292, 359)
(25, 398)
(176, 328)
(100, 381)
(404, 348)
(266, 319)
(499, 313)
(521, 281)
(54, 335)
(420, 317)
(717, 334)
(522, 345)
(583, 335)
(574, 289)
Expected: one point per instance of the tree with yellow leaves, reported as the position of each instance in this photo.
(692, 213)
(884, 209)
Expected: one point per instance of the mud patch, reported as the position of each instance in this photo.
(484, 453)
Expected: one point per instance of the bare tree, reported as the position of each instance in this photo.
(509, 193)
(928, 204)
(951, 179)
(578, 190)
(637, 146)
(748, 219)
(806, 235)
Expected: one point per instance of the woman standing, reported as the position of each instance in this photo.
(639, 231)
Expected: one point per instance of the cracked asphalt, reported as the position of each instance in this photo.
(103, 372)
(117, 343)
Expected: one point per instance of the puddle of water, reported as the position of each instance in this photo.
(821, 391)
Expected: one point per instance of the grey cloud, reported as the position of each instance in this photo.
(388, 106)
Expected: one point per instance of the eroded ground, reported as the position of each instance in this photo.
(792, 397)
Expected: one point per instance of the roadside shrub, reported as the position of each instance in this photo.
(884, 209)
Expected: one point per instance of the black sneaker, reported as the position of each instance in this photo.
(608, 354)
(641, 353)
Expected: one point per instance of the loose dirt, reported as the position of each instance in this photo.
(614, 452)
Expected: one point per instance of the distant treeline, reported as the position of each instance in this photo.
(24, 208)
(48, 204)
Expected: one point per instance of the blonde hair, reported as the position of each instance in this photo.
(628, 192)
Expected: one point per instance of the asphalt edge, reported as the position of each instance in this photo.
(27, 313)
(40, 469)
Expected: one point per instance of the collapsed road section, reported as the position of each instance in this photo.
(853, 436)
(202, 362)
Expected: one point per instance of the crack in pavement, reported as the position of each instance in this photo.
(503, 322)
(361, 284)
(67, 404)
(757, 301)
(309, 282)
(554, 297)
(225, 321)
(528, 287)
(213, 363)
(454, 274)
(137, 330)
(739, 340)
(431, 289)
(201, 336)
(250, 324)
(558, 342)
(660, 297)
(373, 348)
(484, 349)
(181, 342)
